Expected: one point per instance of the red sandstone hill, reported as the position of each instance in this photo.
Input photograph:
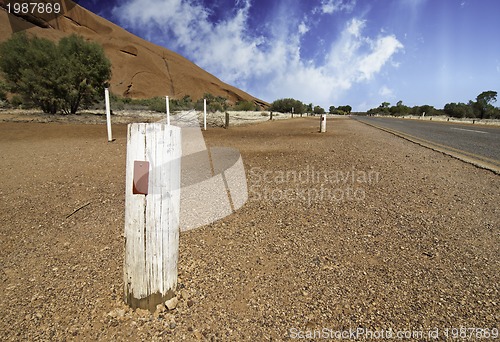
(140, 69)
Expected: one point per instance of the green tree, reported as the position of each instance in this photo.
(3, 91)
(399, 109)
(309, 108)
(458, 110)
(286, 105)
(318, 110)
(345, 109)
(29, 68)
(428, 110)
(485, 102)
(87, 72)
(331, 110)
(53, 76)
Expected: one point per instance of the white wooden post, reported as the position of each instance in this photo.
(152, 201)
(108, 114)
(168, 110)
(322, 126)
(205, 114)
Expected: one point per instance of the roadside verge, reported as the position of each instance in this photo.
(471, 158)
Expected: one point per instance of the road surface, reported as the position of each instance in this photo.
(475, 143)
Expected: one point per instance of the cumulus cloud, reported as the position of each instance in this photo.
(270, 66)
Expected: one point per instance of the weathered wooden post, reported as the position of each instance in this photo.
(322, 125)
(152, 201)
(167, 104)
(271, 116)
(108, 114)
(226, 125)
(204, 114)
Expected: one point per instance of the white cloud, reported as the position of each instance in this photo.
(332, 6)
(268, 67)
(303, 28)
(383, 49)
(386, 92)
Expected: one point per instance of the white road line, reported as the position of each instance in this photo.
(469, 130)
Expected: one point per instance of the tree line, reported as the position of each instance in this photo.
(481, 108)
(289, 105)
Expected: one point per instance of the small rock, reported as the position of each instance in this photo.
(184, 294)
(172, 303)
(117, 313)
(172, 325)
(190, 303)
(160, 308)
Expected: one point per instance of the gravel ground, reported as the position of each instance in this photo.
(351, 229)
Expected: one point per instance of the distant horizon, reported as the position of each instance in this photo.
(328, 52)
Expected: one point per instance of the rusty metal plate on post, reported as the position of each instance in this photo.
(141, 178)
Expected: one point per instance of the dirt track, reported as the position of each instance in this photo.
(398, 237)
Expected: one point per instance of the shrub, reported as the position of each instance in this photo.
(157, 104)
(245, 106)
(16, 101)
(54, 77)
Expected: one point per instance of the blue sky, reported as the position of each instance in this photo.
(329, 52)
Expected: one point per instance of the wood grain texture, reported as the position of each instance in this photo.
(152, 220)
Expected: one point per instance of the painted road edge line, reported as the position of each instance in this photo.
(468, 130)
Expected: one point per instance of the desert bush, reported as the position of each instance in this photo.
(62, 76)
(214, 103)
(245, 106)
(157, 104)
(286, 105)
(16, 101)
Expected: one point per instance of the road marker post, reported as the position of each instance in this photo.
(322, 125)
(204, 114)
(167, 105)
(108, 114)
(152, 207)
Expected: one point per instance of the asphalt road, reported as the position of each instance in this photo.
(478, 142)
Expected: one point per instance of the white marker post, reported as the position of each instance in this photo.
(322, 126)
(167, 102)
(205, 114)
(152, 204)
(108, 114)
